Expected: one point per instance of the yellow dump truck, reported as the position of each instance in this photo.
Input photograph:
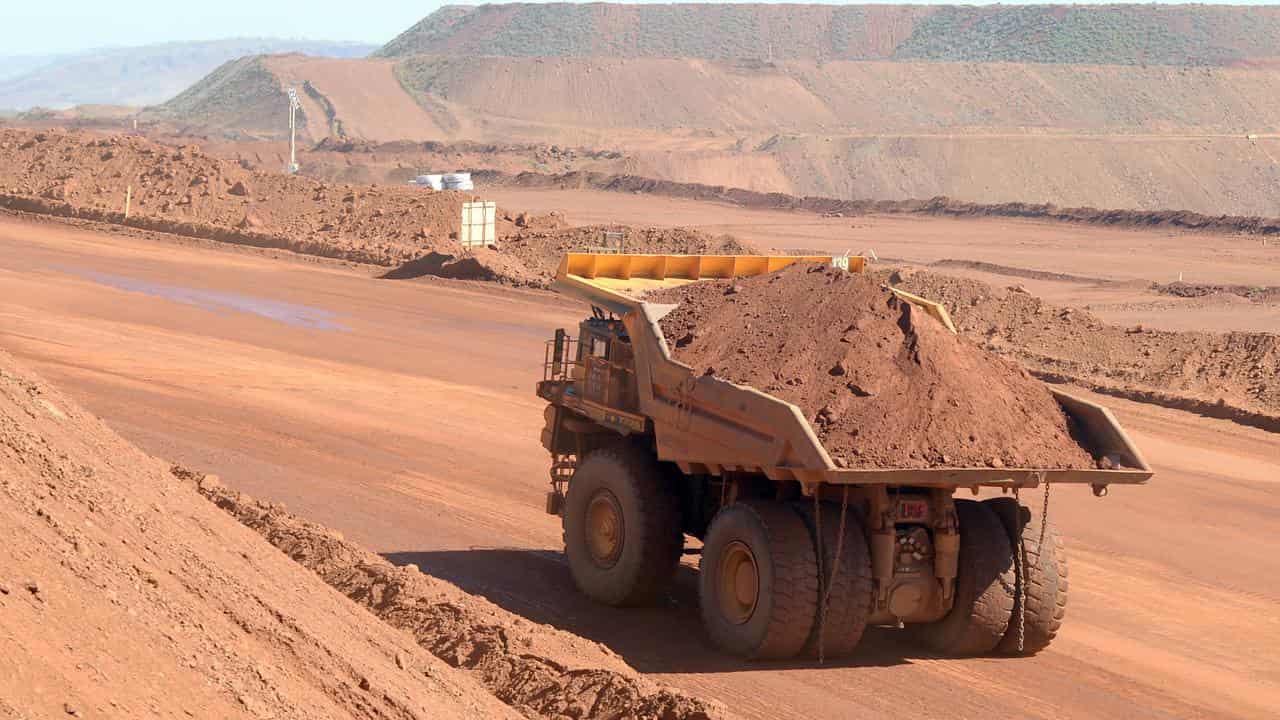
(798, 555)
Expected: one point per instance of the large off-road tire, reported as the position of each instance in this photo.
(622, 529)
(1045, 579)
(758, 585)
(984, 587)
(850, 586)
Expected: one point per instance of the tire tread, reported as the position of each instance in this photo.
(658, 512)
(849, 602)
(1046, 588)
(978, 620)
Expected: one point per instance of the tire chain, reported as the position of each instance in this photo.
(825, 584)
(1020, 575)
(1020, 570)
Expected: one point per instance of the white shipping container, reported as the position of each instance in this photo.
(457, 181)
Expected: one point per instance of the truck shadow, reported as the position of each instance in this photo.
(667, 638)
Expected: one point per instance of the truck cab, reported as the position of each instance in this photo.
(607, 364)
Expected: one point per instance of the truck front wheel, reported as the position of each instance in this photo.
(622, 529)
(758, 581)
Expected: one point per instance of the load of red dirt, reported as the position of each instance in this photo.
(883, 383)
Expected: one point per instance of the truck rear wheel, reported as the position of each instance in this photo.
(622, 530)
(1045, 579)
(984, 587)
(851, 587)
(758, 585)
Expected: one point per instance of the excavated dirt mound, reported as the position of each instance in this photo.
(540, 671)
(884, 384)
(125, 594)
(476, 264)
(186, 191)
(1252, 293)
(1229, 375)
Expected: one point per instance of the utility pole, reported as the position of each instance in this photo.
(294, 106)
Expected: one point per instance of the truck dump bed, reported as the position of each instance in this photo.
(710, 426)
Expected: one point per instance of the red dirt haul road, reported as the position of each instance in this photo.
(402, 414)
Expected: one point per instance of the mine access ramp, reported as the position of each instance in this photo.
(645, 451)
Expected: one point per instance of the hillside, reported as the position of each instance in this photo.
(848, 97)
(341, 98)
(1153, 137)
(1109, 34)
(241, 96)
(1149, 107)
(142, 75)
(15, 65)
(585, 99)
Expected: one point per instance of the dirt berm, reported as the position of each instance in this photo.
(185, 191)
(527, 256)
(540, 671)
(124, 593)
(1229, 375)
(884, 383)
(944, 206)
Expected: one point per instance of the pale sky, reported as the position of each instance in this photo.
(30, 27)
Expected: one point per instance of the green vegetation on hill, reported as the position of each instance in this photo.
(241, 94)
(428, 31)
(1106, 34)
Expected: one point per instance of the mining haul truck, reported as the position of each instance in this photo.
(798, 555)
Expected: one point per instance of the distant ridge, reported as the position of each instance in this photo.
(1195, 35)
(1142, 107)
(144, 75)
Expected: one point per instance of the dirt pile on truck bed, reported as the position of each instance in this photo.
(883, 383)
(123, 593)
